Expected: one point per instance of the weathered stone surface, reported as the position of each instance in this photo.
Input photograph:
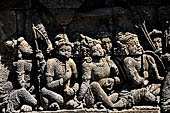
(63, 16)
(7, 23)
(10, 4)
(109, 60)
(55, 4)
(144, 110)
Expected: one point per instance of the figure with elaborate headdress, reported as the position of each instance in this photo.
(143, 82)
(97, 88)
(60, 76)
(21, 94)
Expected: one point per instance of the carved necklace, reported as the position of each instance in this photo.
(100, 63)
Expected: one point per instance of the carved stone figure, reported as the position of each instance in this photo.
(18, 99)
(86, 44)
(157, 40)
(141, 70)
(106, 44)
(61, 74)
(121, 46)
(77, 45)
(97, 80)
(134, 65)
(44, 72)
(23, 66)
(21, 94)
(19, 47)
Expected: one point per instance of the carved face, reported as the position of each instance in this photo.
(106, 44)
(65, 51)
(134, 46)
(97, 50)
(25, 48)
(121, 36)
(90, 42)
(157, 43)
(10, 45)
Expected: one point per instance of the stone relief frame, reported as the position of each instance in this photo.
(27, 15)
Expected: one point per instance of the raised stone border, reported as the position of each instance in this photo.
(135, 109)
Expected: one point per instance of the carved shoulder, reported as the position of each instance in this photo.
(112, 65)
(87, 60)
(87, 63)
(86, 69)
(71, 62)
(50, 61)
(50, 67)
(73, 67)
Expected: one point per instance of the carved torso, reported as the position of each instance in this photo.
(57, 69)
(100, 70)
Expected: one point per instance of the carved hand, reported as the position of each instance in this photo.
(26, 108)
(69, 91)
(49, 49)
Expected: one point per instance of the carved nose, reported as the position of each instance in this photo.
(156, 44)
(31, 51)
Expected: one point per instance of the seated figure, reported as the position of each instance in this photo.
(97, 80)
(19, 47)
(143, 79)
(60, 77)
(15, 100)
(107, 47)
(20, 97)
(139, 66)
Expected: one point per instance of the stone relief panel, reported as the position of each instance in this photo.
(66, 54)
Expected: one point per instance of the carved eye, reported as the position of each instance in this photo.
(69, 50)
(63, 50)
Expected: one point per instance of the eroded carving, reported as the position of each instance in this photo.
(108, 72)
(61, 74)
(98, 81)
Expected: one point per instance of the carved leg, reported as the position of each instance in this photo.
(83, 90)
(25, 96)
(100, 94)
(72, 104)
(122, 103)
(22, 97)
(113, 97)
(149, 97)
(45, 102)
(152, 93)
(89, 98)
(52, 96)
